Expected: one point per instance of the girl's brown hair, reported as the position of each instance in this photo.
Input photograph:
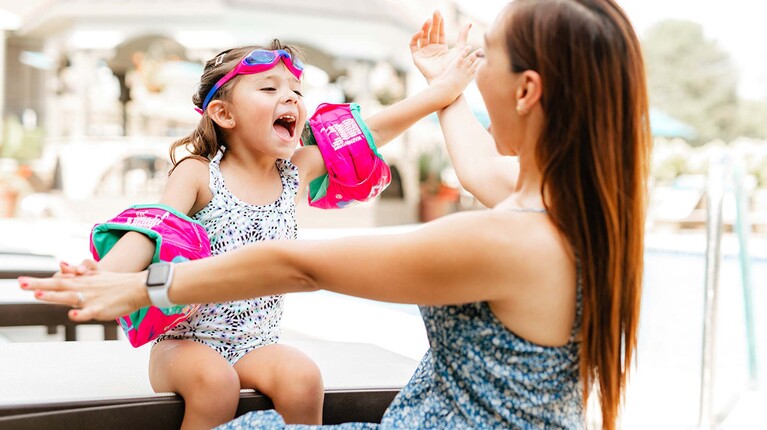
(593, 153)
(205, 141)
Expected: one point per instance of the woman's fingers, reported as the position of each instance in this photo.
(441, 32)
(436, 22)
(425, 33)
(414, 47)
(69, 298)
(81, 315)
(50, 284)
(95, 295)
(44, 284)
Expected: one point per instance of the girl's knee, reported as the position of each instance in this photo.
(215, 381)
(304, 381)
(211, 398)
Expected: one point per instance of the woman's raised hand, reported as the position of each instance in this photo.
(457, 74)
(429, 49)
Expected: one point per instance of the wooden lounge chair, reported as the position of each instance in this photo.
(98, 385)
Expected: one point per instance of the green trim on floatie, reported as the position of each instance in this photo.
(109, 236)
(355, 108)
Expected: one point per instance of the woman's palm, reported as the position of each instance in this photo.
(432, 59)
(430, 52)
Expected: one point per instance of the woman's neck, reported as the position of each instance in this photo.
(527, 192)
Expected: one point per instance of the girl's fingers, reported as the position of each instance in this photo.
(473, 56)
(462, 57)
(65, 269)
(87, 266)
(474, 66)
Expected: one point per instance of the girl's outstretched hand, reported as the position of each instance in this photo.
(429, 49)
(87, 266)
(98, 295)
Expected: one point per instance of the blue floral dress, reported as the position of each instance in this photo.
(476, 375)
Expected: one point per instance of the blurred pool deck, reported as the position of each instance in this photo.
(664, 390)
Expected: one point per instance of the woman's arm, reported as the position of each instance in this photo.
(393, 120)
(482, 171)
(457, 259)
(461, 258)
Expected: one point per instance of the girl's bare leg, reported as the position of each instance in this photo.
(209, 385)
(287, 376)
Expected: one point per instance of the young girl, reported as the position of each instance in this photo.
(241, 184)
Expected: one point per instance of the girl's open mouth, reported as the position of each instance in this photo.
(285, 127)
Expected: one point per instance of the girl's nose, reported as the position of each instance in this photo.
(290, 97)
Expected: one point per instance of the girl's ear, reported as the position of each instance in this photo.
(220, 114)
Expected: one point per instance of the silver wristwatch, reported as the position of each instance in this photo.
(158, 279)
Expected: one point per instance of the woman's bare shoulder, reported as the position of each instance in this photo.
(519, 242)
(529, 231)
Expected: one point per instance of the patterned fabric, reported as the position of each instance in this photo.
(236, 328)
(476, 375)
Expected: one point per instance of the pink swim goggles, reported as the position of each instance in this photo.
(259, 60)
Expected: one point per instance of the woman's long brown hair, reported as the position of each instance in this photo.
(593, 153)
(205, 141)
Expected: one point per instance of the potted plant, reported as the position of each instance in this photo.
(437, 199)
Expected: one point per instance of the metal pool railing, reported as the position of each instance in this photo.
(725, 173)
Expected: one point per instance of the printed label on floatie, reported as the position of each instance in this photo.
(144, 220)
(347, 132)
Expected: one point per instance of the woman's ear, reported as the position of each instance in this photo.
(529, 91)
(218, 111)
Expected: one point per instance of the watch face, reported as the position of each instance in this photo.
(158, 275)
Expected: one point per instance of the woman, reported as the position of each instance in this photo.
(527, 304)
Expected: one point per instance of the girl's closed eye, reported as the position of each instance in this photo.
(268, 89)
(299, 93)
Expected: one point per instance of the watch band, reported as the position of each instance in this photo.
(158, 290)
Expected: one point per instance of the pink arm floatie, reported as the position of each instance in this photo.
(177, 238)
(356, 171)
